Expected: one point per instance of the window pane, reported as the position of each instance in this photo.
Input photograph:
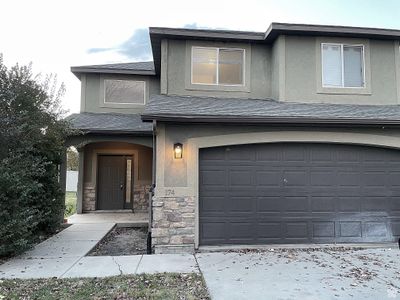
(128, 190)
(230, 66)
(353, 66)
(331, 65)
(204, 66)
(124, 91)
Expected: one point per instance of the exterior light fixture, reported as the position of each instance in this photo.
(178, 149)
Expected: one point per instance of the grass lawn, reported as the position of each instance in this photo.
(70, 204)
(144, 286)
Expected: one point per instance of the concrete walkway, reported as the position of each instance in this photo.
(56, 255)
(110, 217)
(63, 255)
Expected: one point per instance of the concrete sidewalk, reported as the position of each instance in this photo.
(56, 255)
(63, 255)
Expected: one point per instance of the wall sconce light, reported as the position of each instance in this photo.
(178, 149)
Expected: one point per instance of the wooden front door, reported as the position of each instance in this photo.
(112, 182)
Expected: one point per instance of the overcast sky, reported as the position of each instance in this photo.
(57, 34)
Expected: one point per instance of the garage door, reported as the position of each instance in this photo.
(298, 193)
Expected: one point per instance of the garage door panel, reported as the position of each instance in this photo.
(240, 177)
(242, 204)
(374, 204)
(271, 230)
(212, 204)
(375, 229)
(293, 154)
(241, 154)
(295, 204)
(299, 193)
(350, 229)
(323, 204)
(294, 178)
(321, 155)
(212, 177)
(348, 178)
(393, 178)
(324, 229)
(395, 227)
(268, 178)
(269, 204)
(297, 230)
(349, 204)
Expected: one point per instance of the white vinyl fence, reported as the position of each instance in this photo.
(72, 181)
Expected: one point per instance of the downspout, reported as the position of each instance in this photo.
(153, 186)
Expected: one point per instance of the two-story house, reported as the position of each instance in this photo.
(280, 137)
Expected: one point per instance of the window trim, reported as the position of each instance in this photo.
(217, 68)
(342, 46)
(104, 103)
(367, 90)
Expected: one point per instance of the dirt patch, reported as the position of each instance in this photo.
(122, 241)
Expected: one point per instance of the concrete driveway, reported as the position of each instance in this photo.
(303, 274)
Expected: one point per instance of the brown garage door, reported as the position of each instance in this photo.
(299, 193)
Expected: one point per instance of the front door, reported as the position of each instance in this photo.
(112, 183)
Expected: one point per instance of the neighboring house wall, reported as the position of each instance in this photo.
(92, 93)
(72, 181)
(175, 205)
(142, 172)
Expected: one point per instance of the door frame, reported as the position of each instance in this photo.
(132, 156)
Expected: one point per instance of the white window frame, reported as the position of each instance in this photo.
(341, 45)
(124, 103)
(217, 49)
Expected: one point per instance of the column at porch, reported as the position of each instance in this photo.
(79, 200)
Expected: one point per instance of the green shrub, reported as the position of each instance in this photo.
(31, 146)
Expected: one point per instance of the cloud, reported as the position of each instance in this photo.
(136, 47)
(196, 26)
(98, 50)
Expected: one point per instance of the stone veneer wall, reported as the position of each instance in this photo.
(89, 198)
(140, 198)
(173, 224)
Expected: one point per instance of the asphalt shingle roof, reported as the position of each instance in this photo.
(109, 122)
(141, 68)
(161, 106)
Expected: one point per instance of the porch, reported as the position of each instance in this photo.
(115, 168)
(120, 218)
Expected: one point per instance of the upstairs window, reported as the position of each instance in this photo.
(124, 91)
(343, 66)
(217, 66)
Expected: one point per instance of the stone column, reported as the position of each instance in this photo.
(173, 224)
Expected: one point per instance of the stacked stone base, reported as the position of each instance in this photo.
(173, 224)
(89, 198)
(140, 198)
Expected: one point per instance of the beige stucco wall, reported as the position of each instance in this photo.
(92, 93)
(142, 170)
(178, 178)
